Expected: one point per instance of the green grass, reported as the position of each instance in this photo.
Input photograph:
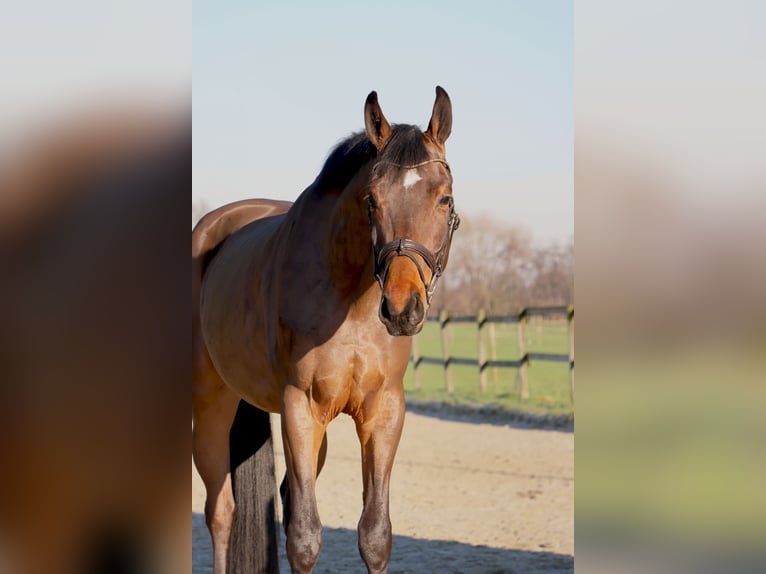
(548, 381)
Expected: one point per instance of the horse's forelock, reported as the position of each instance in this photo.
(405, 147)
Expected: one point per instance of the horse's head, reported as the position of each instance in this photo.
(411, 212)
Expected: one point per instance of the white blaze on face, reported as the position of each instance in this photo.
(410, 178)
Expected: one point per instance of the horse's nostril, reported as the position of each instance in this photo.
(386, 312)
(406, 319)
(416, 309)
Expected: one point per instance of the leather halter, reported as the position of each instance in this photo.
(405, 247)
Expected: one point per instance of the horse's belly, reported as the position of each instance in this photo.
(262, 390)
(236, 336)
(249, 376)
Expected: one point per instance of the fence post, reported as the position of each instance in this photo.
(524, 383)
(443, 322)
(416, 361)
(493, 350)
(481, 321)
(570, 316)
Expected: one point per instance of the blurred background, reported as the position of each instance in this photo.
(95, 176)
(669, 186)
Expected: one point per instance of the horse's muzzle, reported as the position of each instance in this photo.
(408, 321)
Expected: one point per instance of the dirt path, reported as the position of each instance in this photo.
(466, 498)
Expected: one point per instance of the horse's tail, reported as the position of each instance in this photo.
(254, 538)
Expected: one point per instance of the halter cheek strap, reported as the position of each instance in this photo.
(406, 247)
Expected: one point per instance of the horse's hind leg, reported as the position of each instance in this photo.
(214, 406)
(379, 437)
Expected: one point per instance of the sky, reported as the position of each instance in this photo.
(276, 85)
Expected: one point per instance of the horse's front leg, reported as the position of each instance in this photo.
(284, 488)
(302, 437)
(379, 437)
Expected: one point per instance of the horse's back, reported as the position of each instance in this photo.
(214, 227)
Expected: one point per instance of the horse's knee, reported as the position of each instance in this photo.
(375, 541)
(304, 540)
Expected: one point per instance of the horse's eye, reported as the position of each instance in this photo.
(445, 200)
(371, 202)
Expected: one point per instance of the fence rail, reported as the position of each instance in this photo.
(482, 363)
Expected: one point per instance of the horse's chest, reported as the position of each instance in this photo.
(351, 368)
(351, 363)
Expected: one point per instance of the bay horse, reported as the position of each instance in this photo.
(308, 310)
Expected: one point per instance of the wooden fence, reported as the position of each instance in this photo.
(482, 363)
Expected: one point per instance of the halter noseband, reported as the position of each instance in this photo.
(405, 247)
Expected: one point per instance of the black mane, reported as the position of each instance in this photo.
(405, 147)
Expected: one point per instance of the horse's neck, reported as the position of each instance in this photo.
(328, 263)
(349, 244)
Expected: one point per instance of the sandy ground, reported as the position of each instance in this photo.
(468, 498)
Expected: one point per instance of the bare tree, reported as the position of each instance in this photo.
(554, 276)
(497, 267)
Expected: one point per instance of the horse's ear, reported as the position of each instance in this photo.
(378, 128)
(440, 126)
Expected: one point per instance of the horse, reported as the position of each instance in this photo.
(308, 310)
